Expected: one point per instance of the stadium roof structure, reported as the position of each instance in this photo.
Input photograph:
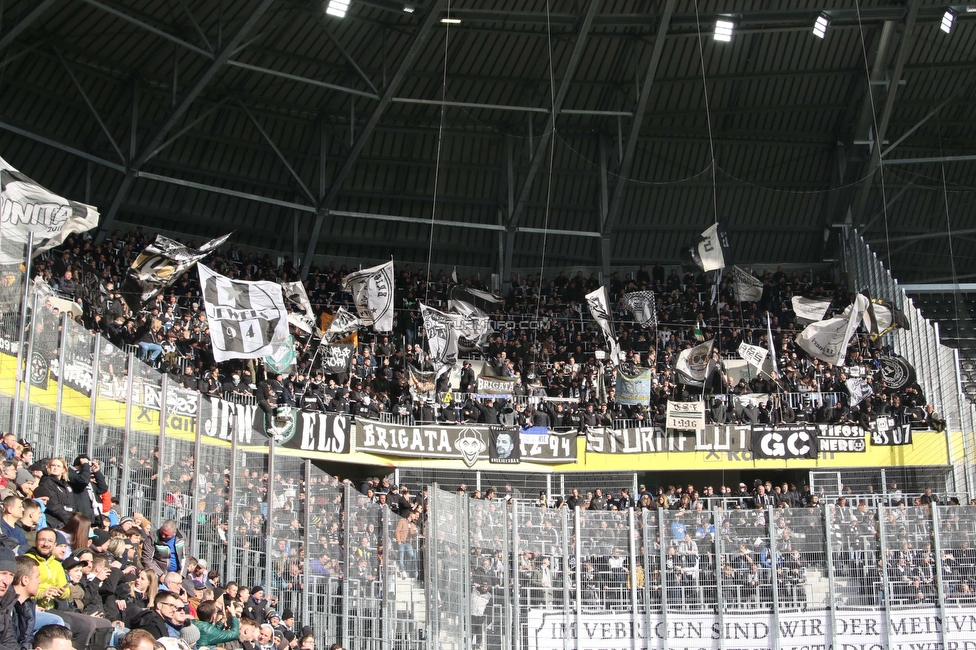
(577, 128)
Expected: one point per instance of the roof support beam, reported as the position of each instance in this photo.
(627, 160)
(328, 32)
(61, 146)
(416, 46)
(91, 107)
(280, 155)
(916, 126)
(541, 150)
(861, 199)
(25, 22)
(180, 109)
(150, 28)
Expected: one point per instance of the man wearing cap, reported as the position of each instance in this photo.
(285, 625)
(256, 607)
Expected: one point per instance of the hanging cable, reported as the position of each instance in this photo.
(545, 224)
(437, 159)
(708, 115)
(877, 136)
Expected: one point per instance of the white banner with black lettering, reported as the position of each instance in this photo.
(27, 207)
(686, 415)
(302, 316)
(372, 293)
(442, 337)
(245, 318)
(809, 310)
(599, 306)
(784, 441)
(754, 354)
(746, 286)
(915, 628)
(465, 443)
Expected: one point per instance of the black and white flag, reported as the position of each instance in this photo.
(442, 337)
(599, 306)
(694, 363)
(754, 354)
(897, 372)
(506, 446)
(341, 325)
(302, 316)
(159, 265)
(336, 358)
(747, 287)
(859, 390)
(827, 340)
(473, 323)
(881, 317)
(643, 306)
(246, 319)
(809, 310)
(27, 207)
(710, 252)
(486, 302)
(372, 293)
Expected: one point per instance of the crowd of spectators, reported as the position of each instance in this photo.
(554, 360)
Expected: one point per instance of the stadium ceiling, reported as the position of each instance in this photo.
(577, 128)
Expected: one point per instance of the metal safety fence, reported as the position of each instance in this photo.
(937, 364)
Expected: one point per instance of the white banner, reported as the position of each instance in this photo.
(642, 305)
(754, 354)
(859, 389)
(686, 415)
(27, 207)
(809, 310)
(827, 340)
(747, 287)
(910, 629)
(245, 318)
(442, 337)
(692, 364)
(372, 293)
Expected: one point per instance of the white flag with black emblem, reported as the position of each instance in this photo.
(372, 293)
(247, 319)
(859, 389)
(694, 363)
(341, 325)
(472, 322)
(442, 337)
(643, 306)
(599, 306)
(747, 287)
(302, 316)
(827, 340)
(27, 207)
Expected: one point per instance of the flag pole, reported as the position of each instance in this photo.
(22, 333)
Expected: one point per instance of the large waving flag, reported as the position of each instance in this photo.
(827, 340)
(159, 265)
(372, 293)
(248, 320)
(710, 252)
(27, 207)
(599, 306)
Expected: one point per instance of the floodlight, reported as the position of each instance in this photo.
(948, 20)
(450, 21)
(820, 27)
(408, 9)
(723, 30)
(337, 8)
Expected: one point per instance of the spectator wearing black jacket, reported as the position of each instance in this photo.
(54, 485)
(88, 485)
